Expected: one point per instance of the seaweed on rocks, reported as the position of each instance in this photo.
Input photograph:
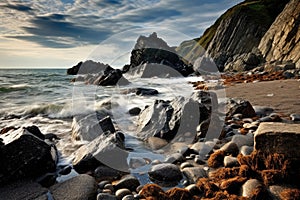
(216, 159)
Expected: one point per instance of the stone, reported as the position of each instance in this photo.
(241, 140)
(194, 173)
(24, 155)
(23, 190)
(103, 150)
(102, 173)
(246, 150)
(120, 193)
(185, 165)
(142, 91)
(165, 172)
(128, 197)
(105, 196)
(278, 138)
(128, 182)
(136, 162)
(295, 117)
(230, 161)
(134, 111)
(250, 126)
(193, 189)
(87, 67)
(230, 148)
(249, 186)
(262, 111)
(101, 184)
(110, 78)
(174, 158)
(156, 143)
(235, 106)
(81, 187)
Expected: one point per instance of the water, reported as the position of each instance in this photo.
(47, 99)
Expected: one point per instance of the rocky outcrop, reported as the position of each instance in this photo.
(24, 154)
(236, 32)
(87, 67)
(281, 41)
(155, 50)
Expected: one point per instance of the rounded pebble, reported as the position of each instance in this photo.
(185, 164)
(120, 193)
(102, 184)
(109, 187)
(104, 196)
(128, 197)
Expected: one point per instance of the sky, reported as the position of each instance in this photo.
(60, 33)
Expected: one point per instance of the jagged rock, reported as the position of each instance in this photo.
(155, 50)
(24, 155)
(164, 119)
(87, 67)
(82, 187)
(106, 149)
(91, 126)
(111, 77)
(243, 62)
(141, 91)
(235, 106)
(281, 41)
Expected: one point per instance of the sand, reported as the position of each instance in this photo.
(281, 95)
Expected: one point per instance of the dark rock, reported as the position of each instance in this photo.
(165, 173)
(241, 140)
(105, 196)
(23, 155)
(164, 119)
(128, 197)
(262, 111)
(47, 180)
(101, 184)
(87, 67)
(74, 70)
(66, 170)
(111, 77)
(174, 158)
(193, 189)
(154, 50)
(194, 173)
(230, 148)
(185, 165)
(51, 137)
(35, 131)
(241, 106)
(295, 117)
(134, 111)
(82, 187)
(142, 91)
(105, 149)
(102, 173)
(120, 193)
(129, 182)
(23, 190)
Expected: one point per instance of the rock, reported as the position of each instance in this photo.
(165, 173)
(241, 106)
(201, 148)
(249, 186)
(7, 129)
(102, 173)
(23, 190)
(128, 197)
(81, 187)
(278, 138)
(111, 77)
(87, 67)
(129, 182)
(91, 126)
(101, 184)
(276, 190)
(174, 158)
(246, 150)
(105, 196)
(243, 62)
(24, 155)
(262, 111)
(105, 149)
(34, 130)
(154, 50)
(120, 193)
(230, 148)
(156, 143)
(283, 46)
(185, 165)
(241, 140)
(142, 91)
(295, 117)
(136, 162)
(193, 189)
(230, 161)
(134, 111)
(164, 119)
(194, 173)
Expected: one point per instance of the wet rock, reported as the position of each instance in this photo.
(128, 197)
(23, 190)
(230, 148)
(164, 119)
(87, 67)
(128, 182)
(262, 111)
(142, 91)
(111, 77)
(295, 117)
(174, 158)
(165, 173)
(246, 150)
(106, 173)
(82, 187)
(24, 155)
(185, 165)
(201, 148)
(105, 196)
(241, 140)
(91, 126)
(101, 184)
(194, 173)
(230, 161)
(120, 193)
(34, 130)
(156, 143)
(103, 150)
(235, 106)
(249, 186)
(136, 162)
(193, 189)
(134, 111)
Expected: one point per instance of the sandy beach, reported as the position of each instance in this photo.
(281, 95)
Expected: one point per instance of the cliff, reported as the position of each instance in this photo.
(281, 41)
(238, 31)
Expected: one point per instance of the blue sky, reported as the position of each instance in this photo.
(60, 33)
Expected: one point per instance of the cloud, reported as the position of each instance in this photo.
(19, 7)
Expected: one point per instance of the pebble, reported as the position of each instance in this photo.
(165, 172)
(199, 161)
(156, 162)
(295, 117)
(247, 120)
(230, 148)
(175, 157)
(109, 187)
(102, 184)
(230, 161)
(241, 140)
(185, 165)
(246, 150)
(104, 196)
(128, 182)
(134, 111)
(128, 197)
(120, 193)
(249, 186)
(250, 126)
(194, 173)
(237, 116)
(108, 191)
(193, 189)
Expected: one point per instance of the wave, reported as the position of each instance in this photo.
(13, 88)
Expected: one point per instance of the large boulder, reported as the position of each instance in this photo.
(165, 119)
(25, 155)
(87, 67)
(155, 50)
(107, 149)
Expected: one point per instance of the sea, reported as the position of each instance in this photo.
(49, 99)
